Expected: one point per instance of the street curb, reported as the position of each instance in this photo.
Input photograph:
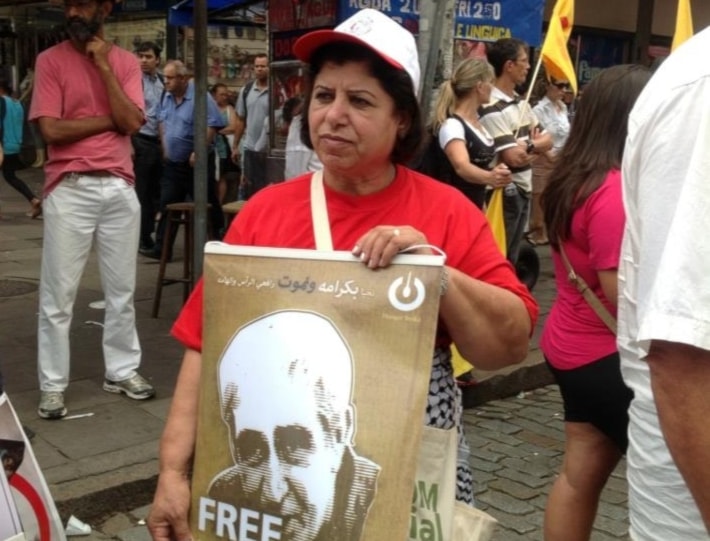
(95, 507)
(525, 378)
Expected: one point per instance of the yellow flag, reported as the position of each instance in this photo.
(458, 363)
(683, 24)
(554, 51)
(494, 213)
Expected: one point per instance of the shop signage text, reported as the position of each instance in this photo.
(492, 20)
(301, 15)
(405, 12)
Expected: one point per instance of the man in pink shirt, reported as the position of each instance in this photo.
(88, 100)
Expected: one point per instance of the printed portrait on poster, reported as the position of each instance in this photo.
(286, 395)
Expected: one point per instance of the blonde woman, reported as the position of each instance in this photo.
(468, 146)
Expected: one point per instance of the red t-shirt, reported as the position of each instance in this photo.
(280, 216)
(574, 335)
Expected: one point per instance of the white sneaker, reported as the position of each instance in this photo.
(135, 387)
(51, 405)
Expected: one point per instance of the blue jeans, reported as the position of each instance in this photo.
(516, 207)
(148, 167)
(177, 186)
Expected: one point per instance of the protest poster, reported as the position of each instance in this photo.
(315, 373)
(10, 526)
(27, 510)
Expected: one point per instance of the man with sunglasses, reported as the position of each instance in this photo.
(88, 101)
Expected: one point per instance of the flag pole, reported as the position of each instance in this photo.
(526, 102)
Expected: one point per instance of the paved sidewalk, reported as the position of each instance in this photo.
(117, 445)
(517, 445)
(102, 468)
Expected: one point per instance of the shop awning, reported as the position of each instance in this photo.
(236, 12)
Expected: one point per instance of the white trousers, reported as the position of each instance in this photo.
(81, 209)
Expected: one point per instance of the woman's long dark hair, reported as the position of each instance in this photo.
(595, 145)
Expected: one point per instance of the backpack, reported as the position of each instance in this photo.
(165, 90)
(3, 112)
(245, 92)
(162, 93)
(433, 161)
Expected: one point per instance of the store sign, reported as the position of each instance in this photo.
(405, 12)
(597, 53)
(134, 5)
(490, 21)
(305, 14)
(141, 5)
(282, 44)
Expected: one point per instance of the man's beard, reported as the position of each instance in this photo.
(81, 30)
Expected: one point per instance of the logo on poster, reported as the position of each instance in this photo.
(406, 294)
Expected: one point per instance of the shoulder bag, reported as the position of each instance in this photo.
(442, 517)
(592, 300)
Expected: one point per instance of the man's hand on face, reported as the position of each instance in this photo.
(97, 49)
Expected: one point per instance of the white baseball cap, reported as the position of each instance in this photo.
(376, 31)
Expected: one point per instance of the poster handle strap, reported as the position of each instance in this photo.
(319, 214)
(321, 225)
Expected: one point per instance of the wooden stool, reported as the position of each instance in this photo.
(176, 214)
(230, 211)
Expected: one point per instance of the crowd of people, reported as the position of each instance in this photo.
(116, 132)
(620, 205)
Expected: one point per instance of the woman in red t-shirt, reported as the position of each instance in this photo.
(363, 121)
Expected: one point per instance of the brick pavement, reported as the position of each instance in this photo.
(517, 445)
(516, 450)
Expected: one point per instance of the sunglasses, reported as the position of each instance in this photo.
(562, 86)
